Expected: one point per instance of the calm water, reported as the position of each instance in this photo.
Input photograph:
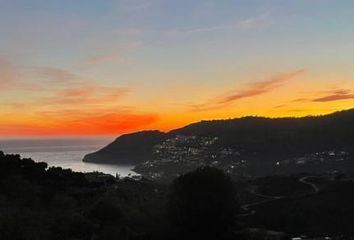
(66, 153)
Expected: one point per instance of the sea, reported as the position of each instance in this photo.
(65, 153)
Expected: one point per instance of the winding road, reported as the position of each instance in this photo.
(314, 187)
(249, 212)
(246, 207)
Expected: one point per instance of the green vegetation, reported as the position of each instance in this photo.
(329, 212)
(37, 202)
(203, 205)
(250, 146)
(128, 149)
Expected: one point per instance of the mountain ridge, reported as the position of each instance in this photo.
(269, 137)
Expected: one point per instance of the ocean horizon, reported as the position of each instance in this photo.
(64, 152)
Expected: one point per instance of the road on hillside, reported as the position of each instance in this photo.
(311, 184)
(246, 207)
(267, 199)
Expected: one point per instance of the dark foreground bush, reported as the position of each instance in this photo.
(202, 205)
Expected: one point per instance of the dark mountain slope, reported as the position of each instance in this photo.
(128, 149)
(280, 136)
(256, 136)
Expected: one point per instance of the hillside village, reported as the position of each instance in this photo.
(181, 154)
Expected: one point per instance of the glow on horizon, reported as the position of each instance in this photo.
(89, 68)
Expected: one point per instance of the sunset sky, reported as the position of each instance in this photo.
(98, 67)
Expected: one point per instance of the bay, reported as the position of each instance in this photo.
(65, 153)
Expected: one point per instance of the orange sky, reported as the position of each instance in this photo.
(77, 108)
(78, 68)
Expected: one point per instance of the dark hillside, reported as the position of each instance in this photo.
(128, 149)
(259, 137)
(281, 136)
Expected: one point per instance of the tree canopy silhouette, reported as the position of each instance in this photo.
(202, 205)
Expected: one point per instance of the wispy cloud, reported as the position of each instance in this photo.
(328, 96)
(54, 75)
(262, 87)
(280, 106)
(14, 77)
(64, 103)
(257, 21)
(100, 59)
(9, 74)
(129, 6)
(67, 88)
(299, 100)
(261, 20)
(55, 86)
(84, 95)
(336, 95)
(253, 89)
(119, 54)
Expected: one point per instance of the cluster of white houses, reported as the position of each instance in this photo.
(182, 153)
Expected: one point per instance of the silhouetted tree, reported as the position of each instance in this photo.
(107, 211)
(37, 202)
(202, 205)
